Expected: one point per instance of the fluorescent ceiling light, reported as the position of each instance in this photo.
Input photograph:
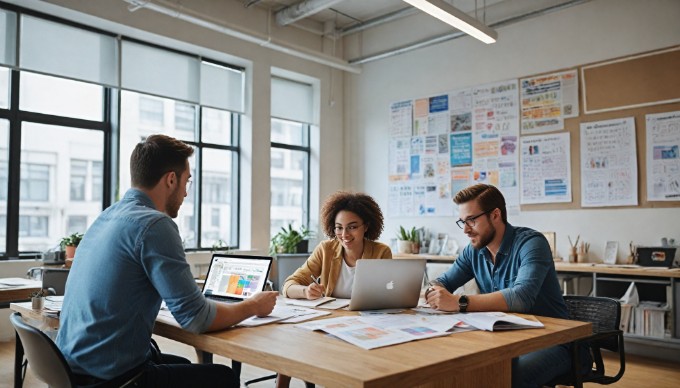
(459, 19)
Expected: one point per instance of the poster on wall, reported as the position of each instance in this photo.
(399, 159)
(663, 156)
(460, 110)
(547, 100)
(461, 149)
(438, 119)
(608, 163)
(401, 118)
(421, 114)
(545, 163)
(495, 132)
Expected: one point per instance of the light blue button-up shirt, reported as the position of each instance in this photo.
(524, 273)
(130, 259)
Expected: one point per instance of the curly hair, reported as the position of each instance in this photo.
(360, 204)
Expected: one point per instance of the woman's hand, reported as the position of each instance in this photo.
(314, 291)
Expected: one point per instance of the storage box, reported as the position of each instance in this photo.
(655, 256)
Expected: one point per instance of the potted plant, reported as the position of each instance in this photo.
(289, 240)
(70, 243)
(408, 241)
(37, 299)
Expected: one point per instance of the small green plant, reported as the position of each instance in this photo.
(72, 240)
(406, 235)
(219, 245)
(287, 240)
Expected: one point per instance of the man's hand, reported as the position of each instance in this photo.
(440, 299)
(314, 291)
(263, 302)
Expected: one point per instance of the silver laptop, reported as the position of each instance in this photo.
(234, 278)
(387, 284)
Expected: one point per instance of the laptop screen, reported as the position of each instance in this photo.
(236, 277)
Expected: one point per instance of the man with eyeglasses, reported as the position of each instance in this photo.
(514, 269)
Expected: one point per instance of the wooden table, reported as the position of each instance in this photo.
(470, 359)
(17, 294)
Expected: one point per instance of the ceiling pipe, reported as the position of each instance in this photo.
(458, 34)
(408, 11)
(298, 52)
(301, 10)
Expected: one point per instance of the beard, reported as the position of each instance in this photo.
(174, 202)
(485, 238)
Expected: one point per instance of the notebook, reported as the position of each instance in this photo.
(234, 278)
(387, 284)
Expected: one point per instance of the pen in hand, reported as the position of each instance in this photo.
(317, 280)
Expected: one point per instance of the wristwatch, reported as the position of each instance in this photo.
(463, 303)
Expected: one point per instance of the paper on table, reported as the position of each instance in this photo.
(307, 302)
(278, 314)
(493, 321)
(17, 282)
(304, 314)
(338, 303)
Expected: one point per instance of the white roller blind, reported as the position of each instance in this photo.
(8, 23)
(292, 100)
(59, 49)
(222, 87)
(165, 73)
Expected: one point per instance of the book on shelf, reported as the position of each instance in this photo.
(626, 312)
(495, 321)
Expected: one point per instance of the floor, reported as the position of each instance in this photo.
(640, 371)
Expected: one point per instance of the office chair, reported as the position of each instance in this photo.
(605, 315)
(54, 280)
(47, 361)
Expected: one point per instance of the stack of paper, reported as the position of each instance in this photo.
(374, 331)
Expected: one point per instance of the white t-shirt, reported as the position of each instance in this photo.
(343, 287)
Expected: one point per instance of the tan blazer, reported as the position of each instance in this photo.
(326, 261)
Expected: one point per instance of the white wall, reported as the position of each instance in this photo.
(594, 31)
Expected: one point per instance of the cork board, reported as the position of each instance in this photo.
(572, 125)
(640, 80)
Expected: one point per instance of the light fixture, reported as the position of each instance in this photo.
(457, 18)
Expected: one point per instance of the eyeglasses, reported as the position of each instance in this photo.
(470, 221)
(189, 182)
(348, 228)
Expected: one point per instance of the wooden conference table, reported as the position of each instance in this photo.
(469, 359)
(18, 293)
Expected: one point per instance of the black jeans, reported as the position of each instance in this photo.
(175, 371)
(172, 372)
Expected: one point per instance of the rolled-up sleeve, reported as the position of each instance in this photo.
(460, 271)
(165, 263)
(536, 261)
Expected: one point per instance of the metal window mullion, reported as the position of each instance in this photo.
(13, 173)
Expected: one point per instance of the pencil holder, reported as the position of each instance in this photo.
(572, 255)
(37, 302)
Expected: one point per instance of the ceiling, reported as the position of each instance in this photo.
(351, 13)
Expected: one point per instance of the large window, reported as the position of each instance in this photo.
(217, 155)
(86, 97)
(55, 170)
(289, 174)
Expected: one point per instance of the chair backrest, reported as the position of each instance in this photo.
(603, 313)
(54, 280)
(45, 359)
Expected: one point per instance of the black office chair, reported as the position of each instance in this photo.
(605, 315)
(46, 360)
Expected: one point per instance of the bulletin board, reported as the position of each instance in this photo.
(632, 86)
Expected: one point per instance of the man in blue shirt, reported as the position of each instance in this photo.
(131, 259)
(514, 269)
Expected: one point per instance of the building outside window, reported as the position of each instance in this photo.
(78, 179)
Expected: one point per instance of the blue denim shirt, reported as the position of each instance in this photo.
(130, 259)
(524, 273)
